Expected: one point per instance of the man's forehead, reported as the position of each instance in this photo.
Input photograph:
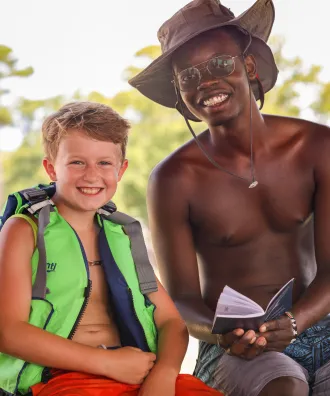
(213, 42)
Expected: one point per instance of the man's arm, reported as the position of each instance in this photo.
(168, 211)
(314, 304)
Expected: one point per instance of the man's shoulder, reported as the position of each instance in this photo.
(316, 135)
(293, 122)
(178, 165)
(310, 131)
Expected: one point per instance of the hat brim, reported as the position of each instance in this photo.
(156, 80)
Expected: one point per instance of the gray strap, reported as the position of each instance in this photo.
(145, 272)
(39, 288)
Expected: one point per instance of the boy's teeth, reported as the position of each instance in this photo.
(215, 100)
(90, 191)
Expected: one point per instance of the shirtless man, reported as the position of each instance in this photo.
(96, 352)
(210, 229)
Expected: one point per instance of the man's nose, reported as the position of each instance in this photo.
(207, 80)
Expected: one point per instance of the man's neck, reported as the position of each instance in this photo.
(236, 134)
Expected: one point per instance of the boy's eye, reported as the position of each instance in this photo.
(105, 163)
(76, 162)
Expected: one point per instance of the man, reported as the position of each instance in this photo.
(247, 206)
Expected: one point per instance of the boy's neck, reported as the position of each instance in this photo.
(81, 221)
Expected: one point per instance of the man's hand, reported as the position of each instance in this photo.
(278, 333)
(161, 381)
(244, 345)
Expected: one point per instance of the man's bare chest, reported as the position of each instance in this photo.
(225, 211)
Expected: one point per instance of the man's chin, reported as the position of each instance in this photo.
(218, 119)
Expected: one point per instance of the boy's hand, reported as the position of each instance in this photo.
(160, 381)
(128, 365)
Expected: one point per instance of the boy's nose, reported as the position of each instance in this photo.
(90, 175)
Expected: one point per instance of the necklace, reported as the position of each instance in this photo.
(96, 262)
(252, 182)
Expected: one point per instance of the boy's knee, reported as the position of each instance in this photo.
(285, 386)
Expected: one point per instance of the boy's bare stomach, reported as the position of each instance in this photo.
(97, 326)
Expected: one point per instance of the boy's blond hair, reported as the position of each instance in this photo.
(98, 121)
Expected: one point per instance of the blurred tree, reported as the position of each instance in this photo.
(157, 131)
(8, 68)
(284, 98)
(321, 107)
(22, 168)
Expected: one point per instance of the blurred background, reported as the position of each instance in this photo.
(55, 52)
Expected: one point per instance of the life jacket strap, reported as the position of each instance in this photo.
(132, 228)
(39, 289)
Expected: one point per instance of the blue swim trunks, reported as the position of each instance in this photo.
(311, 350)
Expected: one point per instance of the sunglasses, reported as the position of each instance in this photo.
(218, 67)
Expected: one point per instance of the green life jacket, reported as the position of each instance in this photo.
(61, 284)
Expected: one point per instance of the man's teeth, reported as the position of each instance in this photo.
(91, 191)
(215, 100)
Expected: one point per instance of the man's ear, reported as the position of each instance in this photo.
(49, 168)
(251, 67)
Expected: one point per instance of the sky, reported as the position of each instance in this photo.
(85, 45)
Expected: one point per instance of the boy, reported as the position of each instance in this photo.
(73, 339)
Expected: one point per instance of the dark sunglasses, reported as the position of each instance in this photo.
(219, 66)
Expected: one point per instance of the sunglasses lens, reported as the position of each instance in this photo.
(221, 66)
(189, 79)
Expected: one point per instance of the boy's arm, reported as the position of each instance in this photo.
(172, 346)
(20, 339)
(172, 332)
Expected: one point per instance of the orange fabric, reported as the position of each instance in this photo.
(65, 383)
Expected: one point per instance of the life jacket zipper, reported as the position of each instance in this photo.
(46, 373)
(87, 292)
(137, 318)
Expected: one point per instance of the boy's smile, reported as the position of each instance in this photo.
(86, 171)
(89, 190)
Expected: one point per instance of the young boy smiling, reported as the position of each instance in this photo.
(84, 345)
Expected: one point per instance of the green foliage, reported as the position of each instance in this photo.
(283, 98)
(5, 116)
(156, 131)
(8, 69)
(22, 168)
(322, 106)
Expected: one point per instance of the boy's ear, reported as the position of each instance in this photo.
(49, 168)
(122, 169)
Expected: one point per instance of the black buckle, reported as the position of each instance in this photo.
(110, 207)
(35, 195)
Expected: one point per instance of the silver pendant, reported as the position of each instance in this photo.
(254, 184)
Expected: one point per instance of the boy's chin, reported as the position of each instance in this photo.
(92, 207)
